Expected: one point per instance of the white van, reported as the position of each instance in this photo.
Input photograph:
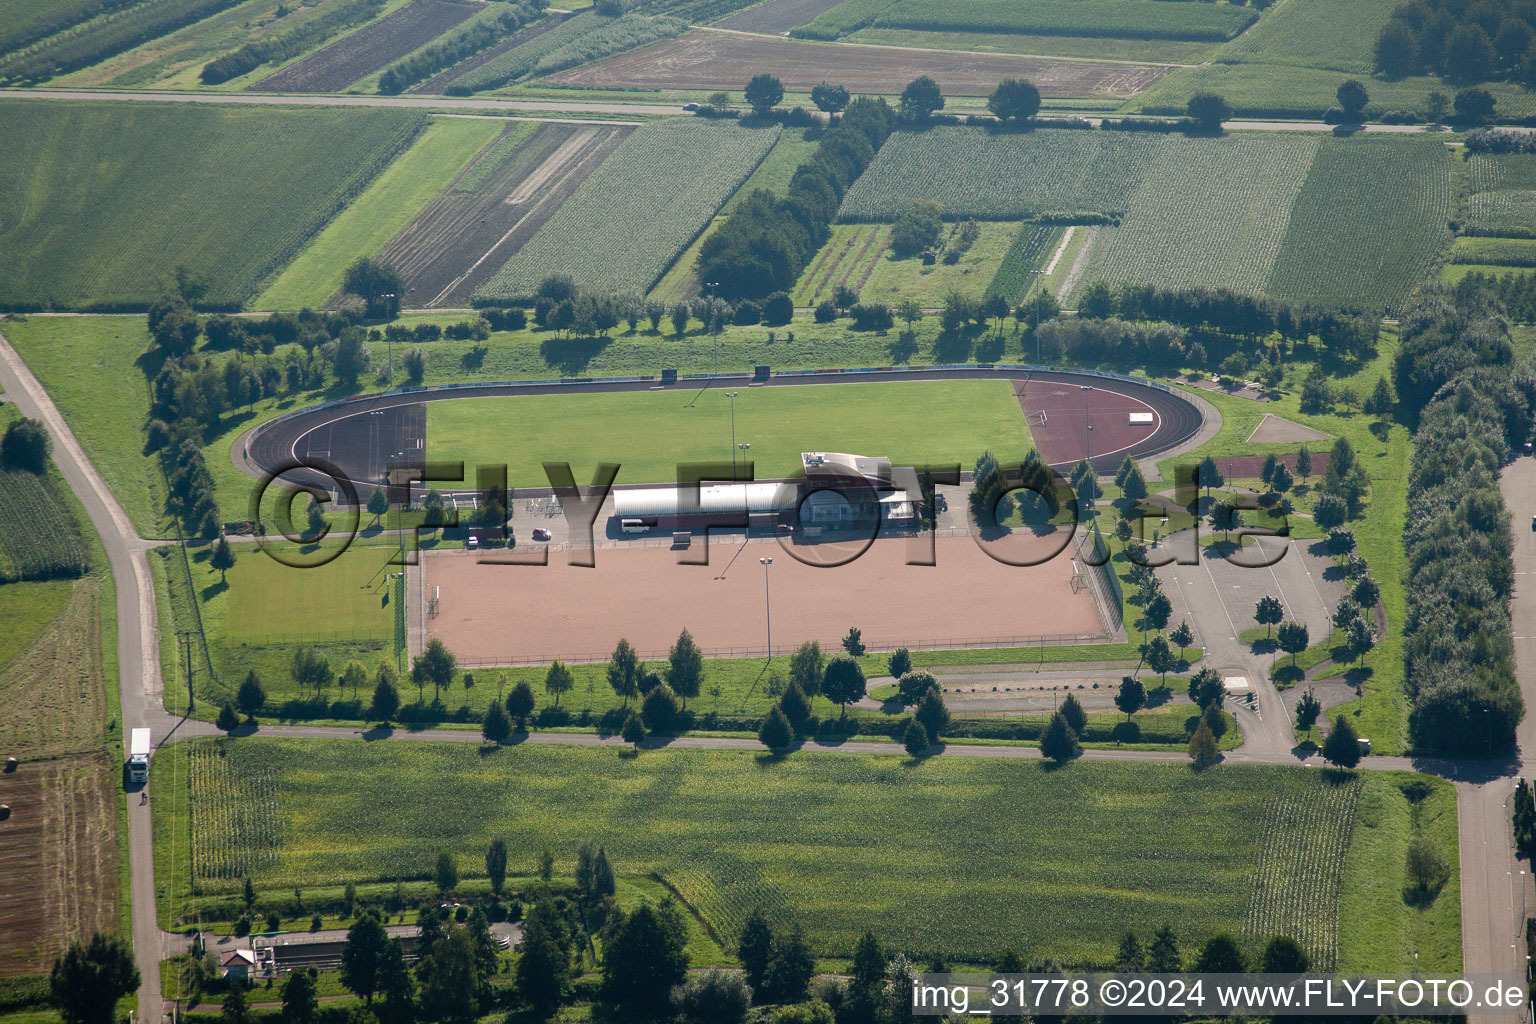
(634, 526)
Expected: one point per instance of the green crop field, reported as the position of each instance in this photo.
(1145, 19)
(37, 539)
(1208, 212)
(844, 18)
(1339, 35)
(521, 59)
(1499, 252)
(837, 842)
(974, 173)
(1153, 51)
(648, 433)
(231, 193)
(846, 261)
(1368, 223)
(1510, 212)
(629, 220)
(893, 280)
(111, 32)
(1029, 253)
(1488, 172)
(386, 206)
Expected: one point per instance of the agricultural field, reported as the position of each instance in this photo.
(71, 240)
(385, 207)
(496, 205)
(1507, 212)
(718, 826)
(708, 59)
(996, 176)
(776, 17)
(858, 257)
(1491, 172)
(1368, 223)
(1144, 19)
(1208, 212)
(439, 82)
(23, 22)
(1498, 252)
(940, 421)
(53, 687)
(38, 540)
(507, 63)
(369, 49)
(1149, 51)
(628, 221)
(1336, 35)
(111, 32)
(1028, 254)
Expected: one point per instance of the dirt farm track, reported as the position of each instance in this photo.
(346, 436)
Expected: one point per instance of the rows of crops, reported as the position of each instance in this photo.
(628, 221)
(1030, 247)
(1509, 212)
(1487, 172)
(974, 173)
(520, 60)
(1208, 212)
(1300, 868)
(236, 830)
(724, 889)
(100, 37)
(23, 23)
(37, 539)
(1500, 252)
(1339, 35)
(846, 839)
(847, 260)
(848, 16)
(627, 33)
(1368, 222)
(1135, 19)
(231, 192)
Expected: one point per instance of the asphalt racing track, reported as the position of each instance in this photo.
(361, 445)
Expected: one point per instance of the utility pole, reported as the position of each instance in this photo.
(184, 641)
(768, 604)
(732, 396)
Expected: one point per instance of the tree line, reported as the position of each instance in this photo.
(1473, 404)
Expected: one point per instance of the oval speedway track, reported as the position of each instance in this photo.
(359, 444)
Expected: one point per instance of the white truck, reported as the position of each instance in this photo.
(138, 755)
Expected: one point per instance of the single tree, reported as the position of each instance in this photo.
(1072, 710)
(299, 1002)
(776, 733)
(659, 709)
(445, 874)
(1221, 955)
(933, 715)
(1281, 480)
(1284, 955)
(1330, 511)
(1352, 100)
(88, 980)
(1293, 639)
(1163, 956)
(1206, 688)
(911, 687)
(1208, 110)
(1304, 462)
(354, 676)
(1155, 613)
(1308, 710)
(1342, 747)
(1427, 871)
(1014, 100)
(251, 696)
(644, 956)
(920, 99)
(543, 972)
(796, 708)
(843, 682)
(853, 643)
(764, 93)
(558, 680)
(685, 672)
(1132, 696)
(899, 663)
(378, 503)
(235, 1009)
(222, 558)
(26, 446)
(1202, 744)
(229, 718)
(435, 665)
(1131, 958)
(1208, 475)
(386, 700)
(1160, 657)
(1183, 637)
(829, 98)
(496, 864)
(363, 955)
(1059, 741)
(496, 726)
(520, 701)
(1226, 517)
(1268, 613)
(755, 948)
(1473, 106)
(624, 671)
(1133, 485)
(634, 729)
(805, 668)
(915, 739)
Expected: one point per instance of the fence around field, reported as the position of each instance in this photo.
(1103, 581)
(760, 651)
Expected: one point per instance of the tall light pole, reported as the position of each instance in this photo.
(732, 396)
(389, 346)
(714, 325)
(376, 428)
(1087, 427)
(767, 605)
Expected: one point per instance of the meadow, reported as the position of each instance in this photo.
(1210, 213)
(1167, 19)
(994, 176)
(386, 206)
(637, 188)
(838, 842)
(72, 241)
(1368, 223)
(893, 280)
(648, 433)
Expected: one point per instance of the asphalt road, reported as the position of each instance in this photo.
(1490, 879)
(550, 109)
